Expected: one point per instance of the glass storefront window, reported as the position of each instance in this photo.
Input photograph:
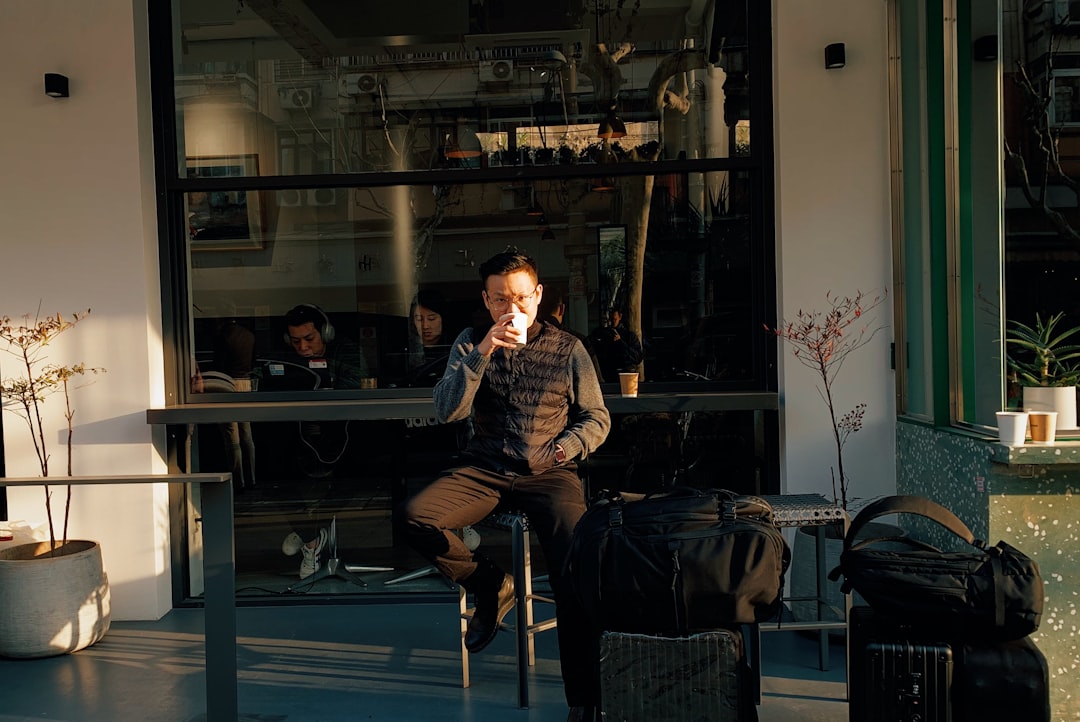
(529, 87)
(347, 170)
(678, 260)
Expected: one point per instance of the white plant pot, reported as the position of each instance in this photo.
(1061, 399)
(52, 605)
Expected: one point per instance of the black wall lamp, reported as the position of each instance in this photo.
(56, 85)
(835, 56)
(985, 48)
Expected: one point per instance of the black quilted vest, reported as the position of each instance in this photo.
(523, 402)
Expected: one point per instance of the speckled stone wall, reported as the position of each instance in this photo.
(1025, 496)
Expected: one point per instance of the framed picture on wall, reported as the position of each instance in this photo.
(224, 220)
(612, 259)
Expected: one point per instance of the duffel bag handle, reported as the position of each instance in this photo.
(908, 504)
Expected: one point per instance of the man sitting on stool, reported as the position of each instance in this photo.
(536, 407)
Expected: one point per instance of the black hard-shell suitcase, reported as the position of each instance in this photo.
(895, 677)
(1000, 680)
(990, 680)
(648, 678)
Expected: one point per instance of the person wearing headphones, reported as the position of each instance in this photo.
(338, 364)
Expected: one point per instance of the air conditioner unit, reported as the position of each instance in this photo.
(496, 71)
(290, 198)
(297, 98)
(321, 196)
(360, 83)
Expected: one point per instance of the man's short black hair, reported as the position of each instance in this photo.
(305, 312)
(507, 262)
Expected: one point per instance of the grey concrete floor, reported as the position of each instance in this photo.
(393, 662)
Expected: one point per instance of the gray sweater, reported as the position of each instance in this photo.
(522, 403)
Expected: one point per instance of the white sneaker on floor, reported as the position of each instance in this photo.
(292, 544)
(310, 563)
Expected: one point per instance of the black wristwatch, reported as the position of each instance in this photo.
(560, 454)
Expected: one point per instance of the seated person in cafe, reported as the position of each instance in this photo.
(617, 347)
(337, 362)
(333, 363)
(430, 345)
(535, 410)
(553, 311)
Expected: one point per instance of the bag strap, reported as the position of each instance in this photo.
(908, 505)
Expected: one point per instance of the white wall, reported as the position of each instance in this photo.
(832, 224)
(79, 231)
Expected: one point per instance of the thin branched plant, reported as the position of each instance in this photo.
(27, 339)
(822, 341)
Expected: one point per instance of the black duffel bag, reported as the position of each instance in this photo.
(982, 593)
(677, 562)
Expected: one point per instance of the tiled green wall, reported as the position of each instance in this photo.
(1025, 496)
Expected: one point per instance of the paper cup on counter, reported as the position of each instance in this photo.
(1012, 427)
(1043, 426)
(628, 383)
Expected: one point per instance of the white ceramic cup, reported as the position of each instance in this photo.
(1012, 427)
(520, 321)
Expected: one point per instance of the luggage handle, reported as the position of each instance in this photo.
(729, 505)
(909, 504)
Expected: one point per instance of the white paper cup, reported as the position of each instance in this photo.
(1043, 426)
(519, 321)
(628, 383)
(1012, 427)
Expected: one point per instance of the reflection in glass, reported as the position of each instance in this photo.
(336, 98)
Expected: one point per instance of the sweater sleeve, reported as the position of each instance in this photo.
(590, 420)
(455, 391)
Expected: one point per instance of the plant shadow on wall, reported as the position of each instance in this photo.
(822, 341)
(54, 597)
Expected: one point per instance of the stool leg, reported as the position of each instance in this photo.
(520, 549)
(752, 643)
(463, 622)
(823, 634)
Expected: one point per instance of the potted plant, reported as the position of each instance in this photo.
(54, 596)
(544, 155)
(822, 341)
(1043, 361)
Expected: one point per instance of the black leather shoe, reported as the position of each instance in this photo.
(490, 609)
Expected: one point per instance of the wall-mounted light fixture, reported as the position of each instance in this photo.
(56, 85)
(985, 49)
(835, 56)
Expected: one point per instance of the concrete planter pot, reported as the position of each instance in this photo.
(52, 604)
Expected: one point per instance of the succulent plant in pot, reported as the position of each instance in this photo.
(54, 596)
(1044, 359)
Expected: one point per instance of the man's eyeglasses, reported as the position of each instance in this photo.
(519, 300)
